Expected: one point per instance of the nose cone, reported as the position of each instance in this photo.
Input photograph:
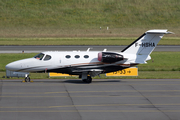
(19, 65)
(13, 66)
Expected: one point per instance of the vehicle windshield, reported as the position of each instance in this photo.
(39, 56)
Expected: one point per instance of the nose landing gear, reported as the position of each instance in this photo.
(27, 78)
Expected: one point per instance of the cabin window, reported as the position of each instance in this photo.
(39, 56)
(68, 56)
(48, 57)
(77, 56)
(86, 56)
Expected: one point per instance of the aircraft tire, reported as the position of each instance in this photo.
(89, 79)
(27, 79)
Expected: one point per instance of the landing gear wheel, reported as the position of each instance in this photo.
(27, 79)
(88, 80)
(84, 80)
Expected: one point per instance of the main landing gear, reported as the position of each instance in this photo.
(86, 78)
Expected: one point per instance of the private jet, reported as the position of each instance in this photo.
(88, 64)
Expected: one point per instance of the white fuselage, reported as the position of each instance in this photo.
(61, 60)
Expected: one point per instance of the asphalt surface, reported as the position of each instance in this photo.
(38, 49)
(119, 99)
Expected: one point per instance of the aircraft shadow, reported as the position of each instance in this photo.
(75, 81)
(96, 81)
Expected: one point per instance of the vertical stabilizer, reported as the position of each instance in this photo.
(146, 43)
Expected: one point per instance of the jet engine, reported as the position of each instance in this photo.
(109, 57)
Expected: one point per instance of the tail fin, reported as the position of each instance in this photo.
(146, 43)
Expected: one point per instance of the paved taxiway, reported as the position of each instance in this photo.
(38, 49)
(124, 99)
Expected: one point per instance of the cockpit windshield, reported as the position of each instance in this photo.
(39, 56)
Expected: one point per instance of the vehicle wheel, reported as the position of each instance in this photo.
(89, 79)
(27, 79)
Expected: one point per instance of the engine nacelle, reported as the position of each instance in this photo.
(108, 57)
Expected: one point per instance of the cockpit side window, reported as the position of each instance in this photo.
(39, 56)
(48, 57)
